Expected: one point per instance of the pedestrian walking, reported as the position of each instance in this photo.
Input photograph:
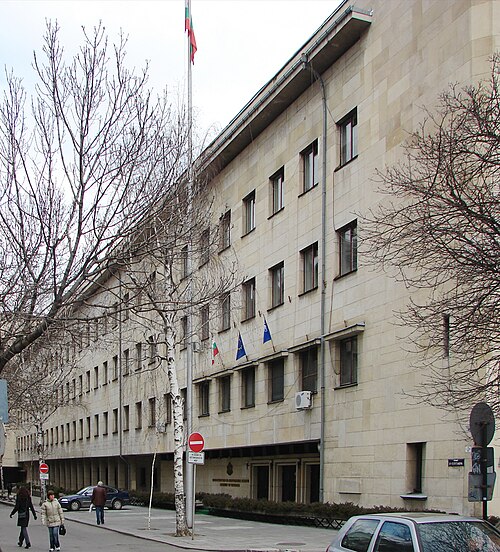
(9, 489)
(99, 501)
(53, 519)
(23, 506)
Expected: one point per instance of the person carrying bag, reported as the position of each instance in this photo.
(53, 519)
(23, 506)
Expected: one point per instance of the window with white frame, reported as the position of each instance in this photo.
(277, 274)
(348, 349)
(348, 127)
(310, 171)
(225, 312)
(309, 369)
(277, 191)
(309, 257)
(348, 248)
(276, 374)
(249, 213)
(225, 230)
(248, 291)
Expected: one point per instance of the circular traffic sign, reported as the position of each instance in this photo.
(196, 442)
(482, 424)
(44, 468)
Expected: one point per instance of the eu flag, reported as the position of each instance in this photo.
(241, 348)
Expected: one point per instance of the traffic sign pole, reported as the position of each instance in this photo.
(196, 443)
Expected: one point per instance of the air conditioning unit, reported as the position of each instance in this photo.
(303, 400)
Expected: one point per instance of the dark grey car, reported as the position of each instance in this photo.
(115, 499)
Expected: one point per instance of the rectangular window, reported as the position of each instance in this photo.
(205, 322)
(310, 267)
(96, 377)
(225, 230)
(115, 420)
(80, 429)
(80, 385)
(126, 362)
(348, 361)
(225, 393)
(277, 285)
(248, 386)
(138, 415)
(446, 335)
(68, 436)
(415, 467)
(152, 412)
(348, 137)
(105, 422)
(309, 369)
(115, 367)
(184, 403)
(87, 427)
(225, 312)
(126, 417)
(96, 425)
(204, 395)
(167, 403)
(277, 191)
(184, 262)
(310, 172)
(126, 306)
(73, 430)
(276, 379)
(105, 372)
(205, 246)
(138, 357)
(184, 332)
(348, 248)
(248, 289)
(153, 349)
(249, 213)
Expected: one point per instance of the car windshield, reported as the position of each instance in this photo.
(84, 491)
(459, 536)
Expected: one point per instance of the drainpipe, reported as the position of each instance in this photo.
(308, 65)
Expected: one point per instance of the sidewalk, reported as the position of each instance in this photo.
(211, 533)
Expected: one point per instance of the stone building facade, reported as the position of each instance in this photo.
(321, 410)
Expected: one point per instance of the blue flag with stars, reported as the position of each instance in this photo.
(267, 334)
(241, 348)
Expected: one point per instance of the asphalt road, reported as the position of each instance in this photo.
(80, 537)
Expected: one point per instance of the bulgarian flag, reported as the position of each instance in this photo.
(215, 351)
(188, 26)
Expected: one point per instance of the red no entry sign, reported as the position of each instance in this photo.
(44, 468)
(196, 442)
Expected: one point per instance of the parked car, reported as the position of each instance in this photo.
(416, 532)
(115, 499)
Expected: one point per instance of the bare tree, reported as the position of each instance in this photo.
(78, 171)
(440, 232)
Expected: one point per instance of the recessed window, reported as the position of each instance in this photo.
(277, 274)
(205, 246)
(153, 349)
(115, 420)
(105, 423)
(167, 405)
(348, 137)
(276, 375)
(205, 322)
(249, 213)
(415, 467)
(248, 291)
(96, 377)
(310, 267)
(225, 311)
(126, 362)
(184, 262)
(138, 415)
(225, 393)
(115, 367)
(348, 361)
(105, 374)
(204, 395)
(248, 386)
(348, 248)
(152, 412)
(309, 369)
(126, 417)
(96, 425)
(184, 330)
(225, 230)
(310, 172)
(277, 191)
(138, 357)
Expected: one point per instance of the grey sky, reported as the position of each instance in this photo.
(241, 43)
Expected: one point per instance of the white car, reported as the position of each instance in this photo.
(416, 532)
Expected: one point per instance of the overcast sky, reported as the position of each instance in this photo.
(241, 43)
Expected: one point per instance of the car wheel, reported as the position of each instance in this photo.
(117, 504)
(75, 506)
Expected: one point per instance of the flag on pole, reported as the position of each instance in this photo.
(267, 333)
(241, 348)
(215, 351)
(188, 26)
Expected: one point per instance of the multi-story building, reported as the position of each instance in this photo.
(322, 409)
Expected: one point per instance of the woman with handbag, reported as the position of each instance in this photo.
(53, 519)
(23, 506)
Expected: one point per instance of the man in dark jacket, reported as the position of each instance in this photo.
(99, 500)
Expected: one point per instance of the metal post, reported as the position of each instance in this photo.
(484, 471)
